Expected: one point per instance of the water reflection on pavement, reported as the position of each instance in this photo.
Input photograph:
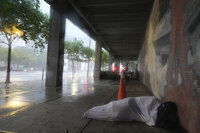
(18, 96)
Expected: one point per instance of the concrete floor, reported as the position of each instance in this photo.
(27, 107)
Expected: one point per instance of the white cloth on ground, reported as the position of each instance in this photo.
(143, 109)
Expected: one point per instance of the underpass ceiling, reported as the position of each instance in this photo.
(119, 24)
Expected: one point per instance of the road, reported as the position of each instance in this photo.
(29, 76)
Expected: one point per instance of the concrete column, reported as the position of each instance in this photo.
(55, 55)
(110, 61)
(97, 65)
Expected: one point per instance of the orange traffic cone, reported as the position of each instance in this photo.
(122, 88)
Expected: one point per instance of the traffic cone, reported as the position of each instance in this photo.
(122, 88)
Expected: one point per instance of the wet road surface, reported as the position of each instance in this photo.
(34, 75)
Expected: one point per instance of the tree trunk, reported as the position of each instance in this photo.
(8, 65)
(72, 68)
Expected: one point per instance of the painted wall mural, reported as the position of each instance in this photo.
(169, 62)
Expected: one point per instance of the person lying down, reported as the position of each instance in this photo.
(146, 109)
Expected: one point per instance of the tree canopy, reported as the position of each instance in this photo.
(22, 19)
(25, 16)
(74, 50)
(104, 60)
(104, 57)
(88, 53)
(25, 56)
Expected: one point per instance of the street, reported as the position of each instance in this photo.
(21, 76)
(37, 75)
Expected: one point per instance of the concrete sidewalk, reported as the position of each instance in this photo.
(134, 89)
(63, 113)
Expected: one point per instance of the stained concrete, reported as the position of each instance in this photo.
(55, 51)
(63, 111)
(97, 64)
(170, 59)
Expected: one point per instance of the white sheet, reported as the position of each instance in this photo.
(143, 109)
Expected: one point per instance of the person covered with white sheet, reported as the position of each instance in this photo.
(148, 109)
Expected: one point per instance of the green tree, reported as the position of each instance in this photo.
(28, 57)
(74, 51)
(104, 59)
(22, 19)
(23, 56)
(88, 55)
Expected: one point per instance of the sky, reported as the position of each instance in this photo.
(71, 30)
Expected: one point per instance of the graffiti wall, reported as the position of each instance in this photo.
(169, 62)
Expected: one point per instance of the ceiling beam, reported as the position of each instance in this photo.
(125, 35)
(125, 24)
(126, 57)
(107, 20)
(76, 8)
(100, 11)
(127, 14)
(82, 15)
(117, 42)
(111, 38)
(110, 3)
(122, 33)
(135, 43)
(139, 30)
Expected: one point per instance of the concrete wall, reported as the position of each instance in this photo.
(169, 62)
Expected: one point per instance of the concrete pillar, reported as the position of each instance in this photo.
(97, 65)
(110, 61)
(55, 55)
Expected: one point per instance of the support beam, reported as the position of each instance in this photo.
(85, 4)
(55, 55)
(110, 3)
(79, 12)
(97, 65)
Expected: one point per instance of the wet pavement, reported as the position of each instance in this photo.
(29, 107)
(27, 93)
(21, 76)
(16, 76)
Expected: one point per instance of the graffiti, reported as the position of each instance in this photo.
(170, 60)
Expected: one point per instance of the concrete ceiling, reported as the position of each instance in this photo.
(119, 24)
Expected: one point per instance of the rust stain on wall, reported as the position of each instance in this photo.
(178, 74)
(182, 95)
